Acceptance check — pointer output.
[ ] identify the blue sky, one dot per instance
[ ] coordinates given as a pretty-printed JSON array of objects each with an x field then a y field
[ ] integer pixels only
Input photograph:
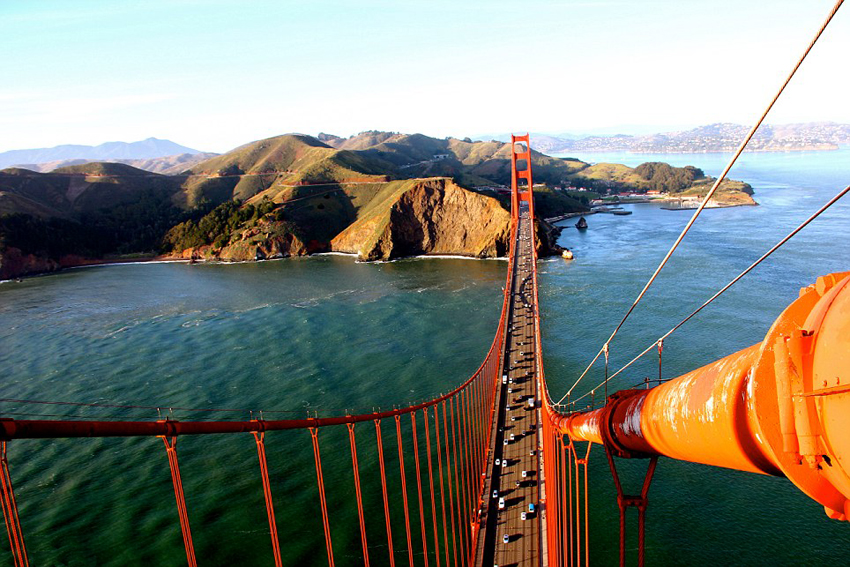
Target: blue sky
[{"x": 216, "y": 74}]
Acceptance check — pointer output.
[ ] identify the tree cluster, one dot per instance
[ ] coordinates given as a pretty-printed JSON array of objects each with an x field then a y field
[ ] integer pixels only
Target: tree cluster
[{"x": 215, "y": 227}]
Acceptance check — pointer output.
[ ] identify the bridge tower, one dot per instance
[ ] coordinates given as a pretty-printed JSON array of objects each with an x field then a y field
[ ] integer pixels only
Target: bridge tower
[{"x": 521, "y": 184}]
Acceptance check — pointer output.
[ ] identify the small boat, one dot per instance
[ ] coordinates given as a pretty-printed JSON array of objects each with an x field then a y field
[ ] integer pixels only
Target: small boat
[
  {"x": 622, "y": 212},
  {"x": 566, "y": 254},
  {"x": 581, "y": 224}
]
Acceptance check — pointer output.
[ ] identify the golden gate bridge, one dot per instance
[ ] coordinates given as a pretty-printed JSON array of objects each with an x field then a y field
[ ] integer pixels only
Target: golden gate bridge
[{"x": 495, "y": 473}]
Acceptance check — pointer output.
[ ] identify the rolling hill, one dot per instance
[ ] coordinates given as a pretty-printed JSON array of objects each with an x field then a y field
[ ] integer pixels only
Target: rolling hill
[{"x": 144, "y": 149}]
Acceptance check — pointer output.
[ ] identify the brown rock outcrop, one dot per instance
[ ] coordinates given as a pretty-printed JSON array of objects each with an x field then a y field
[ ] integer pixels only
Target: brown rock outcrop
[{"x": 429, "y": 216}]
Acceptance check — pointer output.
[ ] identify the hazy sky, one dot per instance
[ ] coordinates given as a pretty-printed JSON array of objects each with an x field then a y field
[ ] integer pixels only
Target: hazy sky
[{"x": 216, "y": 74}]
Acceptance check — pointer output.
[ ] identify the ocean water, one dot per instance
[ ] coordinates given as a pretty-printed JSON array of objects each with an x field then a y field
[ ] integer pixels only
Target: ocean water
[{"x": 328, "y": 335}]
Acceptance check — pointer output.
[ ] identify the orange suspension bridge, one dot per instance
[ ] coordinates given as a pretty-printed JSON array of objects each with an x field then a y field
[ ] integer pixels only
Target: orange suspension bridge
[{"x": 495, "y": 473}]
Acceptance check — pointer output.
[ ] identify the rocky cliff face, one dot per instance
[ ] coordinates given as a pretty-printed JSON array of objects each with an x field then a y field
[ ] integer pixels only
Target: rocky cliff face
[{"x": 433, "y": 216}]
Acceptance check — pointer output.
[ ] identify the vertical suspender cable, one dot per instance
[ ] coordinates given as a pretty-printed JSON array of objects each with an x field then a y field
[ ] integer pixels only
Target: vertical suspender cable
[
  {"x": 464, "y": 461},
  {"x": 565, "y": 534},
  {"x": 404, "y": 489},
  {"x": 384, "y": 492},
  {"x": 448, "y": 482},
  {"x": 171, "y": 450},
  {"x": 259, "y": 437},
  {"x": 314, "y": 434},
  {"x": 419, "y": 488},
  {"x": 431, "y": 486},
  {"x": 10, "y": 513},
  {"x": 356, "y": 471},
  {"x": 458, "y": 491}
]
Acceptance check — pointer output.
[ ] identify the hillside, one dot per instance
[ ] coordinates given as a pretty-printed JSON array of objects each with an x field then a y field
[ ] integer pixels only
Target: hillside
[{"x": 379, "y": 221}]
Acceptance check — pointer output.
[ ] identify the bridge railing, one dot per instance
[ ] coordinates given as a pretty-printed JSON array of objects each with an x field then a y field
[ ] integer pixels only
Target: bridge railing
[{"x": 440, "y": 447}]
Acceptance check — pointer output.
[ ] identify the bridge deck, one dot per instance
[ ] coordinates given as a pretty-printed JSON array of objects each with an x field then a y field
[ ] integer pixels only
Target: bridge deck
[{"x": 514, "y": 481}]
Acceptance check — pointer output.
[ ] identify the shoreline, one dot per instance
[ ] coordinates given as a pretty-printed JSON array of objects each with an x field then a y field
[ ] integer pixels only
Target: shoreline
[{"x": 172, "y": 260}]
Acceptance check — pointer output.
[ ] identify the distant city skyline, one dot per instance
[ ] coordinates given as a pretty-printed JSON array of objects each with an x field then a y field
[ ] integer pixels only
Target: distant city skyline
[{"x": 216, "y": 74}]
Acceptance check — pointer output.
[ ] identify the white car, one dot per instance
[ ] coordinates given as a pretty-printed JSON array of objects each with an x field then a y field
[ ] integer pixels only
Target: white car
[
  {"x": 512, "y": 436},
  {"x": 495, "y": 494},
  {"x": 498, "y": 462},
  {"x": 523, "y": 516},
  {"x": 505, "y": 538},
  {"x": 501, "y": 503}
]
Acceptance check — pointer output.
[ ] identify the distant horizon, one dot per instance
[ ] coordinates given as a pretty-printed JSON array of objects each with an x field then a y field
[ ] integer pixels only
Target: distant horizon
[{"x": 607, "y": 132}]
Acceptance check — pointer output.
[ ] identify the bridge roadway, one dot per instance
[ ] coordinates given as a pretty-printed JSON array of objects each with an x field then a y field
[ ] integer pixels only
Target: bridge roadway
[{"x": 513, "y": 467}]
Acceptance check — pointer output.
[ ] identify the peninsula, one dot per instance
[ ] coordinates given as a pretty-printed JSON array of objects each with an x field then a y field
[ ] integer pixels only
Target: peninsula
[{"x": 380, "y": 195}]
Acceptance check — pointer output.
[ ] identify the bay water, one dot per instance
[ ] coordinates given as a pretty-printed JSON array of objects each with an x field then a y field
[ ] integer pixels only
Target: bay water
[{"x": 327, "y": 335}]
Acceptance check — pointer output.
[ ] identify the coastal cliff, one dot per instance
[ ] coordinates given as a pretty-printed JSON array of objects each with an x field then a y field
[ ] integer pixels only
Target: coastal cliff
[
  {"x": 429, "y": 216},
  {"x": 432, "y": 216}
]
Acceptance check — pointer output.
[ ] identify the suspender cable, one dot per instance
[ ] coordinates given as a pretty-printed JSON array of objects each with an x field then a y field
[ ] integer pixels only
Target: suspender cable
[
  {"x": 10, "y": 513},
  {"x": 465, "y": 435},
  {"x": 419, "y": 488},
  {"x": 171, "y": 451},
  {"x": 448, "y": 483},
  {"x": 356, "y": 471},
  {"x": 314, "y": 434},
  {"x": 403, "y": 489},
  {"x": 259, "y": 437},
  {"x": 566, "y": 533},
  {"x": 458, "y": 504},
  {"x": 711, "y": 192},
  {"x": 658, "y": 342},
  {"x": 463, "y": 431},
  {"x": 384, "y": 492},
  {"x": 431, "y": 486}
]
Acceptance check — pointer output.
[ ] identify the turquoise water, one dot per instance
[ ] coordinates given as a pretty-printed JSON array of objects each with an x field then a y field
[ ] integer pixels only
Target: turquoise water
[{"x": 327, "y": 334}]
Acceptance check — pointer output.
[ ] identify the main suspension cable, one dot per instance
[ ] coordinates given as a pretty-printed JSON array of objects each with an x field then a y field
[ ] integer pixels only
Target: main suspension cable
[
  {"x": 764, "y": 256},
  {"x": 707, "y": 197}
]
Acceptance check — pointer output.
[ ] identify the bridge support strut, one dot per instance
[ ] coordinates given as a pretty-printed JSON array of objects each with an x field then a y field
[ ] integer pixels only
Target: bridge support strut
[{"x": 624, "y": 501}]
